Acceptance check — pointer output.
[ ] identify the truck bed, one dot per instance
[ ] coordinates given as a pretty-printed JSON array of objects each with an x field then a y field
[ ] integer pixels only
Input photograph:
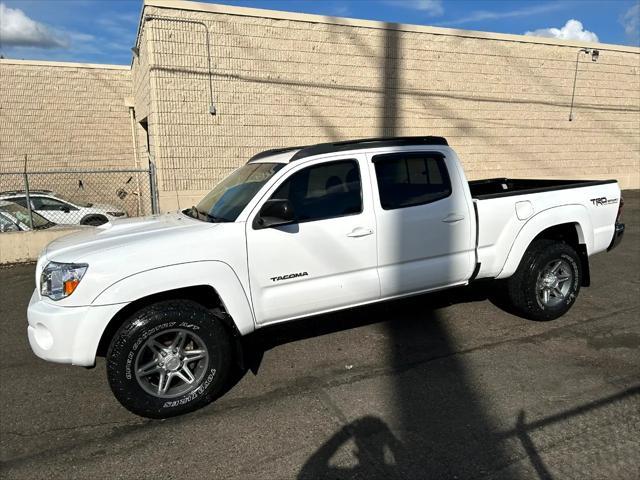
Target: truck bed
[
  {"x": 504, "y": 187},
  {"x": 505, "y": 207}
]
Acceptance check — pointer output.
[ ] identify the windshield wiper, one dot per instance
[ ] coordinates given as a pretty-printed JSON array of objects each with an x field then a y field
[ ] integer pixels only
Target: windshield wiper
[
  {"x": 195, "y": 213},
  {"x": 213, "y": 218},
  {"x": 192, "y": 212}
]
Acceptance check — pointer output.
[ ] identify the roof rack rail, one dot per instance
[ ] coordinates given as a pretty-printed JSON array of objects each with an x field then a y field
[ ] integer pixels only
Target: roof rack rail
[
  {"x": 273, "y": 151},
  {"x": 31, "y": 190},
  {"x": 309, "y": 150},
  {"x": 366, "y": 143}
]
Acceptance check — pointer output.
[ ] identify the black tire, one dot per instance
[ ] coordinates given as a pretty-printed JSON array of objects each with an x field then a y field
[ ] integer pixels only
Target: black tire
[
  {"x": 94, "y": 221},
  {"x": 131, "y": 342},
  {"x": 523, "y": 289}
]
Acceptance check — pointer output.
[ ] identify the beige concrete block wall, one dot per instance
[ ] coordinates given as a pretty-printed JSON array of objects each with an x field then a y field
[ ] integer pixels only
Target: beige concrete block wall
[
  {"x": 64, "y": 115},
  {"x": 286, "y": 79},
  {"x": 16, "y": 247}
]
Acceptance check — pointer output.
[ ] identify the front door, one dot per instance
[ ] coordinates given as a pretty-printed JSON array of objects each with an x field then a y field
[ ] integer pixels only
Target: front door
[
  {"x": 327, "y": 259},
  {"x": 55, "y": 211}
]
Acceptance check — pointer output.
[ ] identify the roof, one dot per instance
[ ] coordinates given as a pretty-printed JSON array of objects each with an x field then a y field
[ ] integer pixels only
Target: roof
[
  {"x": 47, "y": 63},
  {"x": 359, "y": 144},
  {"x": 31, "y": 191},
  {"x": 374, "y": 24}
]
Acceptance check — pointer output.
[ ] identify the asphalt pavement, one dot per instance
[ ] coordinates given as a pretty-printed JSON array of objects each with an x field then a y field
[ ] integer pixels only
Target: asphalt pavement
[{"x": 438, "y": 386}]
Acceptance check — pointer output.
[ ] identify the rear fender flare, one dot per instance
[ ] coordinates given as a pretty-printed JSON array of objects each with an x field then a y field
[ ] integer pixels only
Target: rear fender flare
[{"x": 575, "y": 214}]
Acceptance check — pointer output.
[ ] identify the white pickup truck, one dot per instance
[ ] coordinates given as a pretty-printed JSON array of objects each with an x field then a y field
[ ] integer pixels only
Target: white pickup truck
[{"x": 297, "y": 232}]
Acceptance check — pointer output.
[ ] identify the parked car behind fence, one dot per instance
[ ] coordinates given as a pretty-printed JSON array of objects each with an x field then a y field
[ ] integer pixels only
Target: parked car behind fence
[
  {"x": 15, "y": 218},
  {"x": 81, "y": 197},
  {"x": 59, "y": 210}
]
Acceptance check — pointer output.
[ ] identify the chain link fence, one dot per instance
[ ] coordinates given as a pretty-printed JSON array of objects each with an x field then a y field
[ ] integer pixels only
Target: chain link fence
[{"x": 43, "y": 199}]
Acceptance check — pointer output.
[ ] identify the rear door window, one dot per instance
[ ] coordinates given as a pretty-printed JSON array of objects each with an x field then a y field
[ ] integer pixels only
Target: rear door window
[
  {"x": 22, "y": 201},
  {"x": 410, "y": 179}
]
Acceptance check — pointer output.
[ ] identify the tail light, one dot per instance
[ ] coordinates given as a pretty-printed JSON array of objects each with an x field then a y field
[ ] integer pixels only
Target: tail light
[{"x": 620, "y": 205}]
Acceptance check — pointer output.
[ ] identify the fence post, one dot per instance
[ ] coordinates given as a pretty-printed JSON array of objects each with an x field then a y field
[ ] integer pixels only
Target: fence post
[
  {"x": 153, "y": 187},
  {"x": 26, "y": 192}
]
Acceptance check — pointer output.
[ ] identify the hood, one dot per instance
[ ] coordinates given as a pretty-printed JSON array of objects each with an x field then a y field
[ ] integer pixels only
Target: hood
[{"x": 118, "y": 233}]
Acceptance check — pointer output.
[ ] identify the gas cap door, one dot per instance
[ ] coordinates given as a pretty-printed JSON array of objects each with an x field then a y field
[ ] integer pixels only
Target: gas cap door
[{"x": 524, "y": 210}]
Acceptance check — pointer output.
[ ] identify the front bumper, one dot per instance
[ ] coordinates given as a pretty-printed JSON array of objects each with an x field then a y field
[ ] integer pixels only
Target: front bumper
[
  {"x": 67, "y": 334},
  {"x": 617, "y": 236}
]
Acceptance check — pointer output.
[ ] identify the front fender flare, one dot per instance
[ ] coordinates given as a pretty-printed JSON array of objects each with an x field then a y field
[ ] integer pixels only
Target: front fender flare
[{"x": 216, "y": 274}]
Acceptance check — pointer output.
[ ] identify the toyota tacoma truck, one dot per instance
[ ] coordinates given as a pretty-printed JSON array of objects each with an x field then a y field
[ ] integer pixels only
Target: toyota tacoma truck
[{"x": 297, "y": 232}]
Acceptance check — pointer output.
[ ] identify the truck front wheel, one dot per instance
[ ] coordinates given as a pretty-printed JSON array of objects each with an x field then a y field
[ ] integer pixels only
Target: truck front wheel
[
  {"x": 547, "y": 281},
  {"x": 169, "y": 358}
]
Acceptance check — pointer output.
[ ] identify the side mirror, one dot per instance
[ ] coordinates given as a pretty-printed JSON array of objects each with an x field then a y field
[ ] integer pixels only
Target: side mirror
[
  {"x": 274, "y": 213},
  {"x": 65, "y": 209}
]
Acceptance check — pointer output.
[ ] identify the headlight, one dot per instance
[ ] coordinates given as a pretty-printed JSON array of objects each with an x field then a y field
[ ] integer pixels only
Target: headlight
[
  {"x": 116, "y": 214},
  {"x": 59, "y": 280}
]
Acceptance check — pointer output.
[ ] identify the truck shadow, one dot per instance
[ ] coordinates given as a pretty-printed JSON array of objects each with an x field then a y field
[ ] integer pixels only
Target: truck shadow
[
  {"x": 401, "y": 315},
  {"x": 438, "y": 427}
]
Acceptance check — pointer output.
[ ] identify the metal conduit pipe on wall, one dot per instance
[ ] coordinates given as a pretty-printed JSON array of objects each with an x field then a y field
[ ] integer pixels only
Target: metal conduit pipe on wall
[{"x": 146, "y": 18}]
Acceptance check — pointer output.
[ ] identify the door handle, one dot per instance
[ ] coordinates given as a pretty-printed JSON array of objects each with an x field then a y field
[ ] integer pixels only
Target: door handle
[
  {"x": 453, "y": 218},
  {"x": 360, "y": 232}
]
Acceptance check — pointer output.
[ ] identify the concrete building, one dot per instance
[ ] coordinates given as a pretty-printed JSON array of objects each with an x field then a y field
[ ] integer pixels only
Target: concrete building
[
  {"x": 64, "y": 115},
  {"x": 275, "y": 79}
]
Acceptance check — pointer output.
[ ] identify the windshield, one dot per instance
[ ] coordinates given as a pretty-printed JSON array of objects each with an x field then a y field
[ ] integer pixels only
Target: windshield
[
  {"x": 21, "y": 214},
  {"x": 228, "y": 198}
]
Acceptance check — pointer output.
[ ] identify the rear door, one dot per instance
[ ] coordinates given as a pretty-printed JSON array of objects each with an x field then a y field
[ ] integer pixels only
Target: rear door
[
  {"x": 327, "y": 259},
  {"x": 425, "y": 235}
]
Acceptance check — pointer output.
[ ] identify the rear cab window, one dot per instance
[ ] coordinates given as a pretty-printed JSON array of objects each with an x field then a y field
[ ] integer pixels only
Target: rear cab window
[{"x": 408, "y": 179}]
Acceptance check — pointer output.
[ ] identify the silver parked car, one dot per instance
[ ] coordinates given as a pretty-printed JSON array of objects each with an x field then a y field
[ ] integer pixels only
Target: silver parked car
[{"x": 59, "y": 210}]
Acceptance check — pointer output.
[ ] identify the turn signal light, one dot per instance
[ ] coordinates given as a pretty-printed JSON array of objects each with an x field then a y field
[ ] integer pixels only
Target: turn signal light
[{"x": 70, "y": 286}]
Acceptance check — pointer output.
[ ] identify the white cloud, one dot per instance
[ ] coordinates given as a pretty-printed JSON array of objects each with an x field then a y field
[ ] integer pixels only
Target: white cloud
[
  {"x": 573, "y": 30},
  {"x": 631, "y": 23},
  {"x": 18, "y": 30},
  {"x": 433, "y": 8},
  {"x": 339, "y": 9},
  {"x": 482, "y": 15}
]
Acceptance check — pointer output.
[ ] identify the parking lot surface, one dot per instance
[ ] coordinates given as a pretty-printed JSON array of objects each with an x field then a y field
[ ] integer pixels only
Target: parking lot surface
[{"x": 437, "y": 386}]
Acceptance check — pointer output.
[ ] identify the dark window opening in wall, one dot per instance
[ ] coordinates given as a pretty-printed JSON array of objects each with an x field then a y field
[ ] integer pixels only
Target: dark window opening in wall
[{"x": 145, "y": 126}]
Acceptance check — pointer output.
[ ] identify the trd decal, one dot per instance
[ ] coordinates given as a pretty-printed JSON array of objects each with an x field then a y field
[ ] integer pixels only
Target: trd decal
[
  {"x": 598, "y": 202},
  {"x": 289, "y": 276}
]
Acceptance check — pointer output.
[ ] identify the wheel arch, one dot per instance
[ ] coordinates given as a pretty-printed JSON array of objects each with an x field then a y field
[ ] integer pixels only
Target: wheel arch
[
  {"x": 191, "y": 281},
  {"x": 88, "y": 216},
  {"x": 569, "y": 224},
  {"x": 204, "y": 295}
]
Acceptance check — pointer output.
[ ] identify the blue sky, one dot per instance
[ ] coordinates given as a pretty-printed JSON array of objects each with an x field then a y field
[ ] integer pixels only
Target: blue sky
[{"x": 102, "y": 31}]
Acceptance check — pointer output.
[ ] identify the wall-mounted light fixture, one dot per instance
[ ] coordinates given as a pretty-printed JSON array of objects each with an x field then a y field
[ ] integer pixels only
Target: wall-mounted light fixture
[
  {"x": 595, "y": 54},
  {"x": 136, "y": 51}
]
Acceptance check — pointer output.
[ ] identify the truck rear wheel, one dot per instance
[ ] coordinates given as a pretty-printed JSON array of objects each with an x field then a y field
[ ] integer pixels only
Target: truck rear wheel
[
  {"x": 547, "y": 281},
  {"x": 168, "y": 359}
]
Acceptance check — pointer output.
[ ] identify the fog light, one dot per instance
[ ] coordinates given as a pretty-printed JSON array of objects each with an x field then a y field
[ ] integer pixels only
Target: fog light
[{"x": 43, "y": 336}]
